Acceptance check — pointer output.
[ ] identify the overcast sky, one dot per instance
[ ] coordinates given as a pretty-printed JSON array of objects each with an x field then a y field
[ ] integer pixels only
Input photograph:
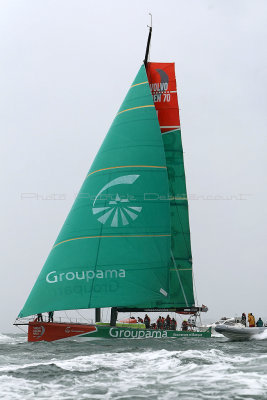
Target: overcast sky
[{"x": 65, "y": 67}]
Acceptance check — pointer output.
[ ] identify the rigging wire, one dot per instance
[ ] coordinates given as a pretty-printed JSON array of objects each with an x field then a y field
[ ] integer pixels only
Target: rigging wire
[
  {"x": 88, "y": 320},
  {"x": 24, "y": 331},
  {"x": 179, "y": 279},
  {"x": 68, "y": 318},
  {"x": 195, "y": 290}
]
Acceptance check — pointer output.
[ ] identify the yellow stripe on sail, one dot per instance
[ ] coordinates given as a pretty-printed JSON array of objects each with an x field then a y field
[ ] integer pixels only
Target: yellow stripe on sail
[
  {"x": 128, "y": 166},
  {"x": 134, "y": 108},
  {"x": 137, "y": 84},
  {"x": 108, "y": 236}
]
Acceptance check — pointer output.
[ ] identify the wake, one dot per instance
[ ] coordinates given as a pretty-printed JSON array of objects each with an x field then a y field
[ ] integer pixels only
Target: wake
[
  {"x": 260, "y": 336},
  {"x": 4, "y": 338}
]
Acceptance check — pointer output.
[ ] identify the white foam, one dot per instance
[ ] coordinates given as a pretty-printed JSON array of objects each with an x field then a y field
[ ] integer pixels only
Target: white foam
[
  {"x": 261, "y": 336},
  {"x": 12, "y": 339},
  {"x": 5, "y": 338},
  {"x": 154, "y": 374}
]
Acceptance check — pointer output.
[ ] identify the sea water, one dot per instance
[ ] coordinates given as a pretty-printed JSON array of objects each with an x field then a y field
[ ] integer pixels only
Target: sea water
[{"x": 183, "y": 368}]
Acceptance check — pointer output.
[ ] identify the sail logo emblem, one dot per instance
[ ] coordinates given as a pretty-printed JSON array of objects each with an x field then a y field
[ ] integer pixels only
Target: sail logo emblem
[{"x": 118, "y": 211}]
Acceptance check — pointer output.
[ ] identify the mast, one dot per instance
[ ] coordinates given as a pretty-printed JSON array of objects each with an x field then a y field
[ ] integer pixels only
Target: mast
[
  {"x": 148, "y": 42},
  {"x": 113, "y": 316},
  {"x": 98, "y": 315}
]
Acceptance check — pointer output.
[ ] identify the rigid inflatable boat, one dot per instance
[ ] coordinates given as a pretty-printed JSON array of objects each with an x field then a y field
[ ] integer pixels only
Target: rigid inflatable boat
[{"x": 239, "y": 333}]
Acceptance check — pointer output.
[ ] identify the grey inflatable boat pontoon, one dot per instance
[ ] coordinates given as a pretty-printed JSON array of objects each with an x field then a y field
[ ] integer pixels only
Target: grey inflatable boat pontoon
[{"x": 238, "y": 333}]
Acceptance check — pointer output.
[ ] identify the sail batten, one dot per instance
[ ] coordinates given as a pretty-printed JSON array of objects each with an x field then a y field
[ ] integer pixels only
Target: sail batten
[
  {"x": 110, "y": 236},
  {"x": 135, "y": 108},
  {"x": 128, "y": 166},
  {"x": 141, "y": 83}
]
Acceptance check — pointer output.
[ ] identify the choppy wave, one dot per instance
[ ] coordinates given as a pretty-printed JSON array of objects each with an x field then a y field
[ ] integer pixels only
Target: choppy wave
[
  {"x": 4, "y": 338},
  {"x": 124, "y": 369},
  {"x": 9, "y": 339},
  {"x": 260, "y": 336}
]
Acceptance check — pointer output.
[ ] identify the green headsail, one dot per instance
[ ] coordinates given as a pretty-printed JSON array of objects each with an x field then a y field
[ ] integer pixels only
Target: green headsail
[
  {"x": 164, "y": 92},
  {"x": 114, "y": 248},
  {"x": 181, "y": 293},
  {"x": 180, "y": 289}
]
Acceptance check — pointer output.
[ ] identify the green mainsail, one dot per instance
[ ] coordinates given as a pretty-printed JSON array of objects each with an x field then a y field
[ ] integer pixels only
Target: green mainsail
[
  {"x": 113, "y": 249},
  {"x": 126, "y": 240}
]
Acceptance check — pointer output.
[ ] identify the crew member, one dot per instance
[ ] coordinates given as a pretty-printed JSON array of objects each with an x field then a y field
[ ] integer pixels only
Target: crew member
[
  {"x": 140, "y": 320},
  {"x": 51, "y": 316},
  {"x": 147, "y": 321},
  {"x": 173, "y": 324},
  {"x": 168, "y": 322},
  {"x": 39, "y": 317},
  {"x": 259, "y": 323},
  {"x": 159, "y": 322},
  {"x": 184, "y": 325},
  {"x": 251, "y": 320},
  {"x": 244, "y": 319}
]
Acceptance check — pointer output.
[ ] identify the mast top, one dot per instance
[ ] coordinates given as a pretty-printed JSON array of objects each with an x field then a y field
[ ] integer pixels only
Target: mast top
[
  {"x": 148, "y": 40},
  {"x": 150, "y": 21}
]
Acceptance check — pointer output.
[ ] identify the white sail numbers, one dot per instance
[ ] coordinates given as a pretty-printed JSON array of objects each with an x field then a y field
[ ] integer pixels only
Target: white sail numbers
[{"x": 160, "y": 92}]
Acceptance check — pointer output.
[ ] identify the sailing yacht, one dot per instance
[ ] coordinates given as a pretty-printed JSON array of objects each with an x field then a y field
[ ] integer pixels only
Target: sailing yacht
[{"x": 125, "y": 244}]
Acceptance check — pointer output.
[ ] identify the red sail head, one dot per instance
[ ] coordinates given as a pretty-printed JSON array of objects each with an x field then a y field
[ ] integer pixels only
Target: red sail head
[{"x": 161, "y": 78}]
